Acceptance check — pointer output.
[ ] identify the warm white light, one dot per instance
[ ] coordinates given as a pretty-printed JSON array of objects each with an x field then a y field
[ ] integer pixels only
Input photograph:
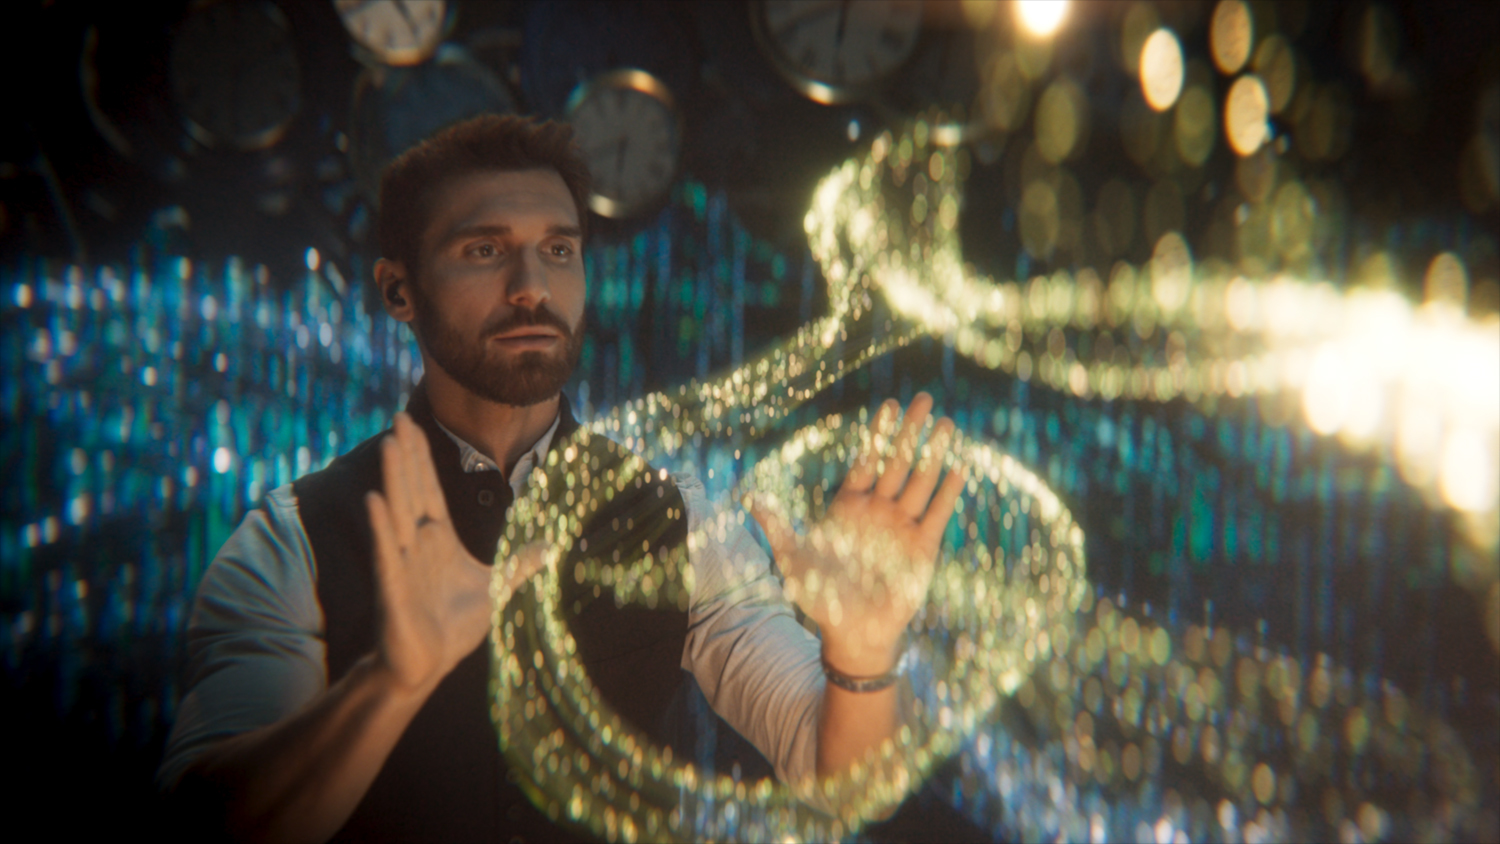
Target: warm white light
[
  {"x": 1467, "y": 478},
  {"x": 1245, "y": 112},
  {"x": 1326, "y": 395},
  {"x": 1162, "y": 69},
  {"x": 1042, "y": 17}
]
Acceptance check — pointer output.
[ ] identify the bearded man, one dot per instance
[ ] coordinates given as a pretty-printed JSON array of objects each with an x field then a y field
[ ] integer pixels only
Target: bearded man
[{"x": 337, "y": 669}]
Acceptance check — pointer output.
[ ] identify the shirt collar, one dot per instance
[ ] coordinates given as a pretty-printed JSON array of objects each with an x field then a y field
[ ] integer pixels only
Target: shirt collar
[{"x": 472, "y": 460}]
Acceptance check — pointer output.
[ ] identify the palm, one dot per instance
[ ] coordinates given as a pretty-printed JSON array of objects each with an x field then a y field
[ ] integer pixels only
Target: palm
[
  {"x": 862, "y": 572},
  {"x": 434, "y": 595}
]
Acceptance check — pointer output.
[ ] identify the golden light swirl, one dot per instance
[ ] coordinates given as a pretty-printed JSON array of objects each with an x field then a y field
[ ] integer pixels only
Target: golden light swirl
[{"x": 1107, "y": 692}]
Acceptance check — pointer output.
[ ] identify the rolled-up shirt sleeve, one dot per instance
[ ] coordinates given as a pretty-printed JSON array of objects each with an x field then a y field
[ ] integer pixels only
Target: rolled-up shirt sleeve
[
  {"x": 757, "y": 666},
  {"x": 255, "y": 643}
]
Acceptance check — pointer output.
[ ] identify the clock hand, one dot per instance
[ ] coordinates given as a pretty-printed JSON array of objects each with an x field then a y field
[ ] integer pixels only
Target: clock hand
[
  {"x": 411, "y": 25},
  {"x": 838, "y": 35},
  {"x": 620, "y": 161}
]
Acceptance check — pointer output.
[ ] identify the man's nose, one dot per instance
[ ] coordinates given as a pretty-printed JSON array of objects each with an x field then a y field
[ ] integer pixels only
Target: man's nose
[{"x": 527, "y": 286}]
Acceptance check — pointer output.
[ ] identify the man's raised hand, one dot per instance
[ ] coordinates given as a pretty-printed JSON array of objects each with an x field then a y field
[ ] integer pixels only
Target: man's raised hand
[
  {"x": 434, "y": 596},
  {"x": 863, "y": 571}
]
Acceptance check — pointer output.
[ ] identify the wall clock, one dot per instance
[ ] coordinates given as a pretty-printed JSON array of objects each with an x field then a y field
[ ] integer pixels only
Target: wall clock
[
  {"x": 395, "y": 32},
  {"x": 395, "y": 107},
  {"x": 836, "y": 51},
  {"x": 235, "y": 75},
  {"x": 942, "y": 77},
  {"x": 631, "y": 134}
]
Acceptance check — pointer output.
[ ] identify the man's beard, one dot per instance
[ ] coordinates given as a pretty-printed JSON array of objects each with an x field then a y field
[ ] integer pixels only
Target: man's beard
[{"x": 519, "y": 380}]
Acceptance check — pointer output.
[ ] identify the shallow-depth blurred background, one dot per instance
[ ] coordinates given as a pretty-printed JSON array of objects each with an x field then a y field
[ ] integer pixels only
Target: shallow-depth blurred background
[{"x": 186, "y": 235}]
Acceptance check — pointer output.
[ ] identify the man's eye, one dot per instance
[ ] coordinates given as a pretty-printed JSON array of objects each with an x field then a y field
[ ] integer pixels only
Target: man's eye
[
  {"x": 561, "y": 250},
  {"x": 483, "y": 250}
]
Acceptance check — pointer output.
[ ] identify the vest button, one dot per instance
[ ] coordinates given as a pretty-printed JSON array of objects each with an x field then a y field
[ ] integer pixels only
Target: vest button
[{"x": 486, "y": 498}]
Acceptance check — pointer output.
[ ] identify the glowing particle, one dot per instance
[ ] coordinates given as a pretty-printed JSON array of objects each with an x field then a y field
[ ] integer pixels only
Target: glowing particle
[
  {"x": 1326, "y": 397},
  {"x": 1193, "y": 125},
  {"x": 1245, "y": 111},
  {"x": 1466, "y": 477},
  {"x": 1041, "y": 17},
  {"x": 313, "y": 259},
  {"x": 1277, "y": 67},
  {"x": 1230, "y": 35},
  {"x": 1263, "y": 781},
  {"x": 1060, "y": 115},
  {"x": 222, "y": 459},
  {"x": 1162, "y": 69},
  {"x": 1171, "y": 272}
]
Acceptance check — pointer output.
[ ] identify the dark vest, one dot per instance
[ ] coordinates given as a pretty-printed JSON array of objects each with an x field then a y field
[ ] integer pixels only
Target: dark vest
[{"x": 446, "y": 779}]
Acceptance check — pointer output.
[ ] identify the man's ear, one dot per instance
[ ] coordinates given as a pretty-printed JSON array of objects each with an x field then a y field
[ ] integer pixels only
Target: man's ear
[{"x": 395, "y": 289}]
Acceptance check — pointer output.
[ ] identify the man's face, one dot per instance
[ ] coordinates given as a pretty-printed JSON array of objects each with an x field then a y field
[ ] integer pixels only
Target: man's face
[{"x": 499, "y": 297}]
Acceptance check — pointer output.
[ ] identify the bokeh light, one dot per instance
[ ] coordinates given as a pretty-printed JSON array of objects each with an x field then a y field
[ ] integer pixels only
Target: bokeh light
[
  {"x": 1041, "y": 17},
  {"x": 1161, "y": 69},
  {"x": 1194, "y": 126},
  {"x": 1231, "y": 34},
  {"x": 1245, "y": 112}
]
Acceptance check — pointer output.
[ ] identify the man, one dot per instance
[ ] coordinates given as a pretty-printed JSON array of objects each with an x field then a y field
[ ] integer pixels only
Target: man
[{"x": 337, "y": 680}]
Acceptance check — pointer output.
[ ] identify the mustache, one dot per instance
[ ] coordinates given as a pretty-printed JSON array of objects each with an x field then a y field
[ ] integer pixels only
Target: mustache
[{"x": 527, "y": 319}]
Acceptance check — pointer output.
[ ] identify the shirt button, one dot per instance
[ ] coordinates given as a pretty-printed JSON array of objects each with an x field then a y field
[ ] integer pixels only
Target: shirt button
[{"x": 486, "y": 498}]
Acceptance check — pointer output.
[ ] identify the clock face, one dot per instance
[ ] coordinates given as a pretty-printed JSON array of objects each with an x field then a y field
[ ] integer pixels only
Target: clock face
[
  {"x": 627, "y": 126},
  {"x": 837, "y": 50},
  {"x": 235, "y": 75},
  {"x": 397, "y": 32}
]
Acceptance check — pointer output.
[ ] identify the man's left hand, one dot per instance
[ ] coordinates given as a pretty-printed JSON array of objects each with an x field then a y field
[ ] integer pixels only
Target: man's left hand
[{"x": 862, "y": 572}]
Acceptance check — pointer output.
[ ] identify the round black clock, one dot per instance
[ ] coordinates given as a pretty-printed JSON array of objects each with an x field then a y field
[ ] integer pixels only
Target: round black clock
[{"x": 235, "y": 75}]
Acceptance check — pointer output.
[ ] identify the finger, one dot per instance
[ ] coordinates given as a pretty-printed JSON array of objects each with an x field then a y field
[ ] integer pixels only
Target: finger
[
  {"x": 862, "y": 476},
  {"x": 397, "y": 497},
  {"x": 898, "y": 464},
  {"x": 780, "y": 535},
  {"x": 525, "y": 564},
  {"x": 423, "y": 474},
  {"x": 924, "y": 476},
  {"x": 935, "y": 520},
  {"x": 387, "y": 550}
]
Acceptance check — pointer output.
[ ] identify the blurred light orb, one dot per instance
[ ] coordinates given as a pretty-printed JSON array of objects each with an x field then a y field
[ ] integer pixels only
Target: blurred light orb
[
  {"x": 1041, "y": 17},
  {"x": 1059, "y": 120},
  {"x": 1467, "y": 475},
  {"x": 1326, "y": 395},
  {"x": 1230, "y": 35},
  {"x": 1446, "y": 281},
  {"x": 1161, "y": 69},
  {"x": 1195, "y": 126},
  {"x": 1171, "y": 272},
  {"x": 1245, "y": 112},
  {"x": 1276, "y": 65}
]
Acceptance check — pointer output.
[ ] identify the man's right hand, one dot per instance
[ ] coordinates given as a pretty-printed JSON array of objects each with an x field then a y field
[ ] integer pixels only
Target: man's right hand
[
  {"x": 434, "y": 596},
  {"x": 300, "y": 778}
]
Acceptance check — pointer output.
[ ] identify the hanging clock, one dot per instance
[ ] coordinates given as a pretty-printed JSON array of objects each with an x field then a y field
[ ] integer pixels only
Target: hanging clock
[
  {"x": 396, "y": 32},
  {"x": 631, "y": 135},
  {"x": 235, "y": 76},
  {"x": 836, "y": 52},
  {"x": 395, "y": 107},
  {"x": 941, "y": 82}
]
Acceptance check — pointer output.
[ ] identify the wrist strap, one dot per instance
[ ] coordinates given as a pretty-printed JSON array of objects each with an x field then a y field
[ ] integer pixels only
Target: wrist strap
[{"x": 864, "y": 684}]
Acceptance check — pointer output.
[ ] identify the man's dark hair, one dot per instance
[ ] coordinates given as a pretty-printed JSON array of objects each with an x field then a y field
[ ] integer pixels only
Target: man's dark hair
[{"x": 488, "y": 143}]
